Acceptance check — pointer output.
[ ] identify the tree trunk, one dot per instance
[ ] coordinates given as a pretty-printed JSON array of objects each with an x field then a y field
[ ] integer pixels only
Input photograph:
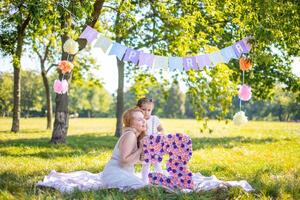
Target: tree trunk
[
  {"x": 120, "y": 98},
  {"x": 48, "y": 99},
  {"x": 16, "y": 99},
  {"x": 17, "y": 78},
  {"x": 61, "y": 122}
]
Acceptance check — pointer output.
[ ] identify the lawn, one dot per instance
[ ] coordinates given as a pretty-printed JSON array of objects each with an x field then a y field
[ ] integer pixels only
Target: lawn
[{"x": 267, "y": 154}]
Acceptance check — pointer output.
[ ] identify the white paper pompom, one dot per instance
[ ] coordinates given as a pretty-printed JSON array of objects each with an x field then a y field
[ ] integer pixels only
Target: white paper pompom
[
  {"x": 240, "y": 118},
  {"x": 71, "y": 47}
]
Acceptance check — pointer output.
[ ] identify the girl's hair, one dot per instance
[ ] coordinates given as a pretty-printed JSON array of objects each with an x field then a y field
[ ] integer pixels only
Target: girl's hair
[
  {"x": 144, "y": 100},
  {"x": 127, "y": 119}
]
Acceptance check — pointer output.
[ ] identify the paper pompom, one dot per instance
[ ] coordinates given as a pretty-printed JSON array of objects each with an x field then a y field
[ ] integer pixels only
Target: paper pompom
[
  {"x": 65, "y": 66},
  {"x": 71, "y": 46},
  {"x": 60, "y": 87},
  {"x": 240, "y": 118},
  {"x": 245, "y": 64},
  {"x": 245, "y": 93}
]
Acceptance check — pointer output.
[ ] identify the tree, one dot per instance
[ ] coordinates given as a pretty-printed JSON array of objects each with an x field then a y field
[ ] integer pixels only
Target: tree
[
  {"x": 13, "y": 33},
  {"x": 91, "y": 12}
]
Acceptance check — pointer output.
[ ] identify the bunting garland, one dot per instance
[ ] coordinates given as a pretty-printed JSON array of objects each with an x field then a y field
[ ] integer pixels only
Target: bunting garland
[{"x": 140, "y": 58}]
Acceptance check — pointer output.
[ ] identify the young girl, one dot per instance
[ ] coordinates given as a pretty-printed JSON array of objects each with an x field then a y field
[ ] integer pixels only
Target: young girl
[{"x": 153, "y": 127}]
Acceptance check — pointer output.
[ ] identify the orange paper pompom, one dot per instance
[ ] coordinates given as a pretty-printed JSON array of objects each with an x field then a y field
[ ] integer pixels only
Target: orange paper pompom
[
  {"x": 65, "y": 66},
  {"x": 245, "y": 64}
]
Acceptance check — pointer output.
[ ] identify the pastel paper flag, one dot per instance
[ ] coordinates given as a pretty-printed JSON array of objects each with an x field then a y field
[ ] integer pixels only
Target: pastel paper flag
[
  {"x": 240, "y": 48},
  {"x": 146, "y": 59},
  {"x": 203, "y": 60},
  {"x": 175, "y": 63},
  {"x": 228, "y": 54},
  {"x": 89, "y": 34},
  {"x": 118, "y": 50},
  {"x": 132, "y": 55},
  {"x": 247, "y": 44},
  {"x": 161, "y": 62},
  {"x": 216, "y": 57},
  {"x": 103, "y": 42},
  {"x": 190, "y": 63}
]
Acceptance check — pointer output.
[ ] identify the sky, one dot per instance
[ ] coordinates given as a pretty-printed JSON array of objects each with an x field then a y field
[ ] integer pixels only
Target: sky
[{"x": 108, "y": 70}]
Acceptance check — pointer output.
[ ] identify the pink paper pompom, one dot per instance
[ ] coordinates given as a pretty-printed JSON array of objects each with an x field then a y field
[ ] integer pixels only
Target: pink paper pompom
[
  {"x": 60, "y": 87},
  {"x": 245, "y": 93}
]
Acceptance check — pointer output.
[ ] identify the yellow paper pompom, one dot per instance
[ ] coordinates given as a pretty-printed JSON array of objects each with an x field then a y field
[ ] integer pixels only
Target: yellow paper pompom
[
  {"x": 71, "y": 46},
  {"x": 240, "y": 118}
]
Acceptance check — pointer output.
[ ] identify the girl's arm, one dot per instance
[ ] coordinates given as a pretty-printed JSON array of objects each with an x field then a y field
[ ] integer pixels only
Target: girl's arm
[
  {"x": 128, "y": 152},
  {"x": 160, "y": 129}
]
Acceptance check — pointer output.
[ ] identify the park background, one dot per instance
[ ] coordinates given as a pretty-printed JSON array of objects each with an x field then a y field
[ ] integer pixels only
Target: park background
[{"x": 265, "y": 151}]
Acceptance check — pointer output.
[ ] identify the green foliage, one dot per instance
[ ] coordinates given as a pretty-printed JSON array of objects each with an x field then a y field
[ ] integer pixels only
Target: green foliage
[
  {"x": 6, "y": 85},
  {"x": 32, "y": 95}
]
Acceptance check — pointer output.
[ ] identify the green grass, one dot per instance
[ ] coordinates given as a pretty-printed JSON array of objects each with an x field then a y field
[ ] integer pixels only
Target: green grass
[{"x": 267, "y": 154}]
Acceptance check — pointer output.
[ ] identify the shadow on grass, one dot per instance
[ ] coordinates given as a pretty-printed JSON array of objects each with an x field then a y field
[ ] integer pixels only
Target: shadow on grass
[
  {"x": 228, "y": 142},
  {"x": 79, "y": 144}
]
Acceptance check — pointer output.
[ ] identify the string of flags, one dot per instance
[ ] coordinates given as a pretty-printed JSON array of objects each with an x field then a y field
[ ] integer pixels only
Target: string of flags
[
  {"x": 140, "y": 58},
  {"x": 171, "y": 63}
]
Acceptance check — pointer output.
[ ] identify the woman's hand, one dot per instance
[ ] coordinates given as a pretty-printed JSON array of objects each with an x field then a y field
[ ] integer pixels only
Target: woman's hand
[{"x": 142, "y": 156}]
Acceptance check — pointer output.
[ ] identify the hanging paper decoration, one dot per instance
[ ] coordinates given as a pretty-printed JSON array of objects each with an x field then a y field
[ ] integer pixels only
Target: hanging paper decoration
[
  {"x": 103, "y": 42},
  {"x": 65, "y": 66},
  {"x": 189, "y": 63},
  {"x": 240, "y": 118},
  {"x": 203, "y": 60},
  {"x": 240, "y": 48},
  {"x": 245, "y": 92},
  {"x": 161, "y": 62},
  {"x": 245, "y": 64},
  {"x": 60, "y": 87},
  {"x": 71, "y": 47},
  {"x": 132, "y": 56},
  {"x": 89, "y": 34},
  {"x": 228, "y": 54},
  {"x": 146, "y": 59},
  {"x": 196, "y": 62},
  {"x": 216, "y": 58},
  {"x": 175, "y": 63},
  {"x": 118, "y": 50}
]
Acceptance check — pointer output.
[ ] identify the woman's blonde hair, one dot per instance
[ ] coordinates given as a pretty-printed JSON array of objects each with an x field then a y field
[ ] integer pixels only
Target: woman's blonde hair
[{"x": 127, "y": 119}]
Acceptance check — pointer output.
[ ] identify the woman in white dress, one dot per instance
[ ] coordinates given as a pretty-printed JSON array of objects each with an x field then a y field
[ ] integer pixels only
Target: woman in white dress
[{"x": 119, "y": 171}]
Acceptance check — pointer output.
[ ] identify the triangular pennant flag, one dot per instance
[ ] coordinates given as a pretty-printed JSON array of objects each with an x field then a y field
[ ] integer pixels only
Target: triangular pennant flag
[
  {"x": 103, "y": 42},
  {"x": 146, "y": 59},
  {"x": 190, "y": 63},
  {"x": 240, "y": 48},
  {"x": 118, "y": 50},
  {"x": 247, "y": 44},
  {"x": 89, "y": 34},
  {"x": 228, "y": 54},
  {"x": 161, "y": 62},
  {"x": 216, "y": 57},
  {"x": 203, "y": 60},
  {"x": 132, "y": 55},
  {"x": 175, "y": 63}
]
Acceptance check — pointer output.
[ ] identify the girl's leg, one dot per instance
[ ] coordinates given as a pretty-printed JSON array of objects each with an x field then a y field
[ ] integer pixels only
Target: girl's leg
[{"x": 145, "y": 172}]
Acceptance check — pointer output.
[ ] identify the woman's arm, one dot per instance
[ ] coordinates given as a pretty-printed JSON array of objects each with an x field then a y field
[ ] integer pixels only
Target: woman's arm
[{"x": 128, "y": 152}]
